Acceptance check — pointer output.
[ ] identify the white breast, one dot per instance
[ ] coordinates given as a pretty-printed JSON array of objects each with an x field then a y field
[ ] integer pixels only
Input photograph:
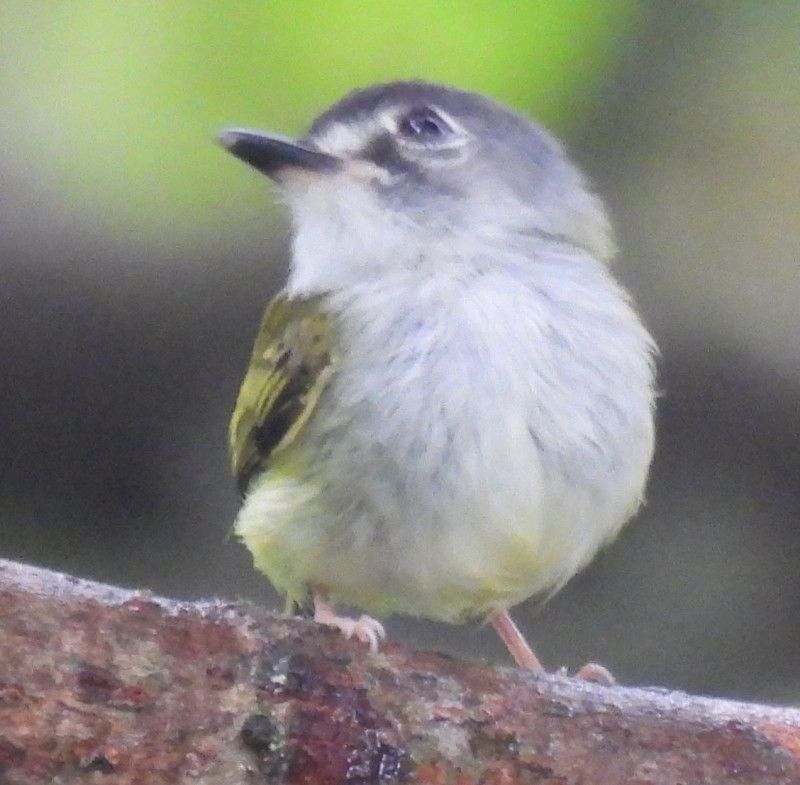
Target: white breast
[{"x": 490, "y": 428}]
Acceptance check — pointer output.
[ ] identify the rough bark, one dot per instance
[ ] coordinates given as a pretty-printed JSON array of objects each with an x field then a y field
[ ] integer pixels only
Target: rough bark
[{"x": 101, "y": 685}]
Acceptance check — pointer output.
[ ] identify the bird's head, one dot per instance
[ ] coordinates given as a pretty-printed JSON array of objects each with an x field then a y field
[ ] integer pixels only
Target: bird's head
[{"x": 394, "y": 173}]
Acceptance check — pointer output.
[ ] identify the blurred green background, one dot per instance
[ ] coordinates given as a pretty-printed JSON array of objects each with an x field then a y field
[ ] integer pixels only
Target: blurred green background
[{"x": 136, "y": 258}]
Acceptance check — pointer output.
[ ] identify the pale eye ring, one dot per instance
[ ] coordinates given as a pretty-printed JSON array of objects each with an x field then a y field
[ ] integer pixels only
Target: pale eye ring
[{"x": 423, "y": 124}]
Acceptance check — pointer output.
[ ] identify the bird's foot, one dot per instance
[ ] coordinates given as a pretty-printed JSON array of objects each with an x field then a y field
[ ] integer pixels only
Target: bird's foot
[
  {"x": 592, "y": 671},
  {"x": 364, "y": 628},
  {"x": 524, "y": 657},
  {"x": 596, "y": 673}
]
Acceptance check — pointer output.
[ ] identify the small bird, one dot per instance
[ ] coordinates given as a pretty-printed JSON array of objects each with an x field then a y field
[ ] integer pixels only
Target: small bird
[{"x": 449, "y": 407}]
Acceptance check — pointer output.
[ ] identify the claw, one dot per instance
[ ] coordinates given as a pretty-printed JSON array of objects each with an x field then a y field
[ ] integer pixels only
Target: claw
[
  {"x": 364, "y": 628},
  {"x": 596, "y": 673},
  {"x": 367, "y": 630}
]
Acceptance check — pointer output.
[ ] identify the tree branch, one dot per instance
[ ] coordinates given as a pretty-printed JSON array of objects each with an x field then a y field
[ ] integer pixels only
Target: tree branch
[{"x": 98, "y": 684}]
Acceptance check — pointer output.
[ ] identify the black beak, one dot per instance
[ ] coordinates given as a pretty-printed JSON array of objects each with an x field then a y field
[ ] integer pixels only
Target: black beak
[{"x": 270, "y": 154}]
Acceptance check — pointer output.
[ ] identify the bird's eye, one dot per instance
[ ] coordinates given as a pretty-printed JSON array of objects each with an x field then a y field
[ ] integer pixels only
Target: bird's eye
[{"x": 424, "y": 125}]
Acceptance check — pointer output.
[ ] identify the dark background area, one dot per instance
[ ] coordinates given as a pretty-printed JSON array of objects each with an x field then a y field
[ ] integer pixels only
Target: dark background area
[{"x": 136, "y": 259}]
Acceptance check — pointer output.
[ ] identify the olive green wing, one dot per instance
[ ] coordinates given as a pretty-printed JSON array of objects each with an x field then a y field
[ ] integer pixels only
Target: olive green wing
[{"x": 291, "y": 365}]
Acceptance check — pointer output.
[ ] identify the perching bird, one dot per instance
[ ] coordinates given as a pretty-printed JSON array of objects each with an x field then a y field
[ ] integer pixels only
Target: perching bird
[{"x": 449, "y": 408}]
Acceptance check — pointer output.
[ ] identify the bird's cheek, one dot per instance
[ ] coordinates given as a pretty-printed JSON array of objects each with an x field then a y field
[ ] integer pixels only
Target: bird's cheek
[{"x": 369, "y": 174}]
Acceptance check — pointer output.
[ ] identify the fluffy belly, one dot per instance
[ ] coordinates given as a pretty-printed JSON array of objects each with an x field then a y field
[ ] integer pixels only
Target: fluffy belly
[
  {"x": 454, "y": 467},
  {"x": 457, "y": 569},
  {"x": 449, "y": 546}
]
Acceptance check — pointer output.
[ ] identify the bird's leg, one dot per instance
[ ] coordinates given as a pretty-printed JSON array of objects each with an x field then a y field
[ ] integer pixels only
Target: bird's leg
[
  {"x": 524, "y": 657},
  {"x": 289, "y": 606},
  {"x": 515, "y": 641},
  {"x": 364, "y": 628}
]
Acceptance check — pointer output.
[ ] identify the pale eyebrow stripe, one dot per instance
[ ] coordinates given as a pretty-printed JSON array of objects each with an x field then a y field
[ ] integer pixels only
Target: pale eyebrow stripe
[{"x": 341, "y": 138}]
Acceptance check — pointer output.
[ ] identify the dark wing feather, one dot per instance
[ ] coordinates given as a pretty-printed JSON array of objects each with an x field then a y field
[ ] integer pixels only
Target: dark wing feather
[{"x": 291, "y": 364}]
